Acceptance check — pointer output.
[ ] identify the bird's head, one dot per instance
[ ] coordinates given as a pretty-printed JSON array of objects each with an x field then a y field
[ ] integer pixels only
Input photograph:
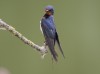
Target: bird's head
[{"x": 49, "y": 10}]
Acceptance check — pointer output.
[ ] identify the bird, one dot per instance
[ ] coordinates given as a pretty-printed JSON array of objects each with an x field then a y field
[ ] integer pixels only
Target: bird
[{"x": 48, "y": 29}]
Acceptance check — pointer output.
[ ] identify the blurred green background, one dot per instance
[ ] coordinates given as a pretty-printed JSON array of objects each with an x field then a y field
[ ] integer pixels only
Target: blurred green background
[{"x": 78, "y": 25}]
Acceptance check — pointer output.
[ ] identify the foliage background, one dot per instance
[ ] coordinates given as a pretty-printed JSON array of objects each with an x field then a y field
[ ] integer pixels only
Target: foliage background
[{"x": 78, "y": 25}]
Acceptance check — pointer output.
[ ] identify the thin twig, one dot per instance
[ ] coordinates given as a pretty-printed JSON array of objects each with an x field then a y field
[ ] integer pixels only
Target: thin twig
[{"x": 5, "y": 26}]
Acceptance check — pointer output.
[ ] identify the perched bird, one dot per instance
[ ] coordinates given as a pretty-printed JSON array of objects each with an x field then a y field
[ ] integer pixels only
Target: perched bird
[{"x": 48, "y": 29}]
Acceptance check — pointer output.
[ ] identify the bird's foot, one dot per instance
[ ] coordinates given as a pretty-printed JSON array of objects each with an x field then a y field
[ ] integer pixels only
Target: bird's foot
[
  {"x": 43, "y": 51},
  {"x": 45, "y": 44}
]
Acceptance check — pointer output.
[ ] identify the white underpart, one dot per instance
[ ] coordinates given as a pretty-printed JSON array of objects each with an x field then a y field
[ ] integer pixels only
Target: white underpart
[{"x": 41, "y": 28}]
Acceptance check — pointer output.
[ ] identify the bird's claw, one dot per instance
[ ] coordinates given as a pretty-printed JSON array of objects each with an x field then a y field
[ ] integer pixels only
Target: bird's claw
[{"x": 43, "y": 51}]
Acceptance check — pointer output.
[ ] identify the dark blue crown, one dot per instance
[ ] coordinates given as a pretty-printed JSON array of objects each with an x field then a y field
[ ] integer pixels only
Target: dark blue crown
[{"x": 49, "y": 8}]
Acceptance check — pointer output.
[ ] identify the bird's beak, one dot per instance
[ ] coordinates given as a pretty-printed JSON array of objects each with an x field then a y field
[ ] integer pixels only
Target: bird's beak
[{"x": 46, "y": 10}]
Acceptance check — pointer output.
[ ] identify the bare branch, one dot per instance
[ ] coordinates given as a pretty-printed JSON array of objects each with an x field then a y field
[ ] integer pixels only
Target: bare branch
[{"x": 5, "y": 26}]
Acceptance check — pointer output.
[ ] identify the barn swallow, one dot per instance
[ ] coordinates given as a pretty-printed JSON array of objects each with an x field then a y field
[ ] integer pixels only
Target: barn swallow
[{"x": 49, "y": 31}]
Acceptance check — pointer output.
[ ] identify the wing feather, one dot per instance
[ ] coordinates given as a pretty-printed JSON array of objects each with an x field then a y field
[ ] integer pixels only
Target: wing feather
[{"x": 49, "y": 37}]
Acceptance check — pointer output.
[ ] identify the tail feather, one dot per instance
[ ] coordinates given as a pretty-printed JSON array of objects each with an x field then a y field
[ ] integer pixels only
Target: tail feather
[
  {"x": 57, "y": 39},
  {"x": 50, "y": 43}
]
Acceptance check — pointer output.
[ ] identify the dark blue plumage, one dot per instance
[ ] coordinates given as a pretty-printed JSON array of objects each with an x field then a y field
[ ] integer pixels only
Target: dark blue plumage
[{"x": 49, "y": 30}]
